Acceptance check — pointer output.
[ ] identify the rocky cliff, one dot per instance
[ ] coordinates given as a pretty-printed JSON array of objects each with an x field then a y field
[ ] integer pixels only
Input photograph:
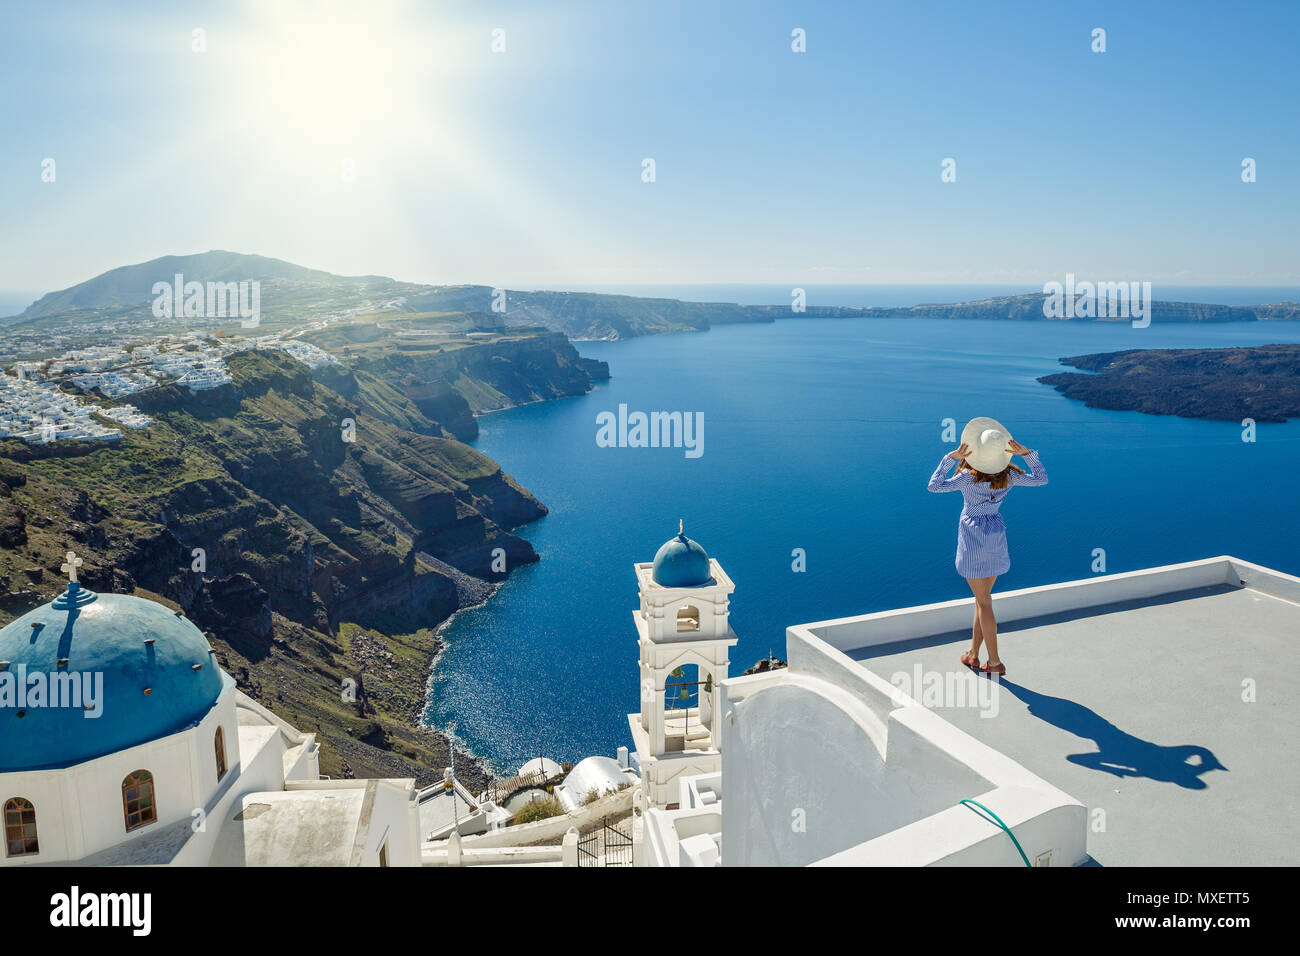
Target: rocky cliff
[
  {"x": 439, "y": 388},
  {"x": 318, "y": 528}
]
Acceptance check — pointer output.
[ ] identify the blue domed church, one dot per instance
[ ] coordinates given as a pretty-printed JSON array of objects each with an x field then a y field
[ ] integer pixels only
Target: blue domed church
[{"x": 122, "y": 741}]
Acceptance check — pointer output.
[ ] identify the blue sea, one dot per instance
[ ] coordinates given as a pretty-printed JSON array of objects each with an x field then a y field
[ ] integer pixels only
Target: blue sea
[{"x": 820, "y": 435}]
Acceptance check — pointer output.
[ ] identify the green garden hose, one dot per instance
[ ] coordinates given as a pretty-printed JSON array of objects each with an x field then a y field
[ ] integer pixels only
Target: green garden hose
[{"x": 998, "y": 821}]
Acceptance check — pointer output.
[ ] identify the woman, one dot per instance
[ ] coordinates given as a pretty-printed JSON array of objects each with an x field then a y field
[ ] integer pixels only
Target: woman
[{"x": 984, "y": 476}]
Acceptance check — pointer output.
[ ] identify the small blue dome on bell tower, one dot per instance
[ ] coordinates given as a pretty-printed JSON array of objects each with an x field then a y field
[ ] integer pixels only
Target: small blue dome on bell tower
[{"x": 681, "y": 563}]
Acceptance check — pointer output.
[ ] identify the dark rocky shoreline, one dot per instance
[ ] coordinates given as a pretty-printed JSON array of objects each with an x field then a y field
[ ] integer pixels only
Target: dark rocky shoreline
[{"x": 1260, "y": 383}]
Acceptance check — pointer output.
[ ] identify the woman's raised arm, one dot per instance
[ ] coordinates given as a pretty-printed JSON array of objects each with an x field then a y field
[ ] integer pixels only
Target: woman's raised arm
[
  {"x": 1037, "y": 473},
  {"x": 938, "y": 483}
]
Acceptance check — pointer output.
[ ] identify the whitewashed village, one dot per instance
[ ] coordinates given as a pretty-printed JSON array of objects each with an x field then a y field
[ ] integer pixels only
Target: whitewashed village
[{"x": 35, "y": 408}]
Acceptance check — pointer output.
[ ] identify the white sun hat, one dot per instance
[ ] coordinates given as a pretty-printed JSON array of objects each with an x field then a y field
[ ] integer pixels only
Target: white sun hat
[{"x": 987, "y": 440}]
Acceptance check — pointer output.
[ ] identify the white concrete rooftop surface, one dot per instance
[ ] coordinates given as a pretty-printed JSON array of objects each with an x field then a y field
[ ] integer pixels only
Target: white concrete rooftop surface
[
  {"x": 296, "y": 827},
  {"x": 1131, "y": 693}
]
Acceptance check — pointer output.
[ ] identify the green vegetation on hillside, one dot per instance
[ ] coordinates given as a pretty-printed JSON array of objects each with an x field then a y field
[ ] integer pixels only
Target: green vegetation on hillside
[{"x": 317, "y": 526}]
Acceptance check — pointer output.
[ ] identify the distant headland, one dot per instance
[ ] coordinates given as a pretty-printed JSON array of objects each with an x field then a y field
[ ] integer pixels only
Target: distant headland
[
  {"x": 1261, "y": 383},
  {"x": 121, "y": 299}
]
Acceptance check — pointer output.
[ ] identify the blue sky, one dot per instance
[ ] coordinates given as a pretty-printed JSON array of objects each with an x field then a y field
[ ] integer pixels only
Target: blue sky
[{"x": 523, "y": 168}]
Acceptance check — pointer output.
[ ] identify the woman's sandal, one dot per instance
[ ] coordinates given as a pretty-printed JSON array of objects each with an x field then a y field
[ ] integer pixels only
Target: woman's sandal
[
  {"x": 972, "y": 661},
  {"x": 999, "y": 669}
]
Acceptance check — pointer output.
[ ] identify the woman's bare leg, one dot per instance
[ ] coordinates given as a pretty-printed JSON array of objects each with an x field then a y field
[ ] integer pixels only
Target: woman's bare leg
[
  {"x": 982, "y": 588},
  {"x": 976, "y": 635}
]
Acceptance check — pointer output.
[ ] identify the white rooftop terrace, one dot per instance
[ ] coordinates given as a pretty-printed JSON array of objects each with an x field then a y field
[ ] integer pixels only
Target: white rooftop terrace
[{"x": 1131, "y": 693}]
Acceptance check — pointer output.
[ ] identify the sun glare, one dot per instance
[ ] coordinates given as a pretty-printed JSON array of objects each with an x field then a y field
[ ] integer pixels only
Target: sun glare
[
  {"x": 372, "y": 108},
  {"x": 324, "y": 85}
]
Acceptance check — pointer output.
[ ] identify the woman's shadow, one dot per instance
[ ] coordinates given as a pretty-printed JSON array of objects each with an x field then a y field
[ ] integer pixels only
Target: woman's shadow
[{"x": 1119, "y": 753}]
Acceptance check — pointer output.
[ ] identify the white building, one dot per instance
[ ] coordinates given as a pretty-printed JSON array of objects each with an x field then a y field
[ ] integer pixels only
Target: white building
[
  {"x": 310, "y": 355},
  {"x": 40, "y": 413},
  {"x": 123, "y": 742},
  {"x": 590, "y": 779},
  {"x": 683, "y": 636},
  {"x": 1118, "y": 733}
]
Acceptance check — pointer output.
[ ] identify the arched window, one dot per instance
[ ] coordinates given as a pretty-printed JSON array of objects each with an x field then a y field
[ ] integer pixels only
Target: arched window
[
  {"x": 20, "y": 827},
  {"x": 220, "y": 744},
  {"x": 137, "y": 799},
  {"x": 688, "y": 618}
]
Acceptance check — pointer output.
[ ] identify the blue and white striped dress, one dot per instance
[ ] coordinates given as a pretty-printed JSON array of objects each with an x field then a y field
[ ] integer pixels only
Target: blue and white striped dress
[{"x": 981, "y": 532}]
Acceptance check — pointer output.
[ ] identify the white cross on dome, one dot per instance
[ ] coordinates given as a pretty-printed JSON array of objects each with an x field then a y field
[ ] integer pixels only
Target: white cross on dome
[{"x": 70, "y": 564}]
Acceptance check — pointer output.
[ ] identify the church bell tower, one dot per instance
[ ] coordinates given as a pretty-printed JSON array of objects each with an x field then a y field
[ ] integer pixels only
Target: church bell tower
[{"x": 683, "y": 637}]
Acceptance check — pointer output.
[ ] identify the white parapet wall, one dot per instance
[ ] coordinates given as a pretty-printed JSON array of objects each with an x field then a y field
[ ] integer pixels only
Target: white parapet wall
[
  {"x": 497, "y": 856},
  {"x": 819, "y": 761},
  {"x": 883, "y": 627},
  {"x": 552, "y": 828}
]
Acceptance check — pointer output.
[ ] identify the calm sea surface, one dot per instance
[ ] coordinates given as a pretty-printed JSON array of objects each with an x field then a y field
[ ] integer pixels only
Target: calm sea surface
[{"x": 820, "y": 435}]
